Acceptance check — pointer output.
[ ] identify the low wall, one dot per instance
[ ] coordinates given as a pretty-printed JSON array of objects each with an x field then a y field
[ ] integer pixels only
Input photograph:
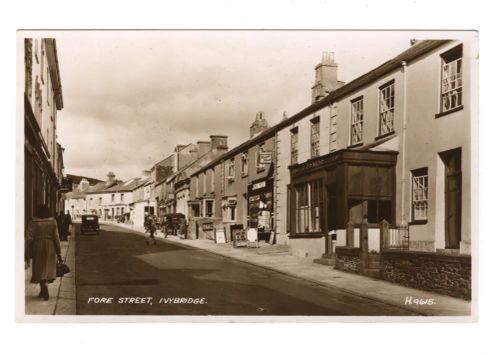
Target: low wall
[
  {"x": 446, "y": 274},
  {"x": 348, "y": 259}
]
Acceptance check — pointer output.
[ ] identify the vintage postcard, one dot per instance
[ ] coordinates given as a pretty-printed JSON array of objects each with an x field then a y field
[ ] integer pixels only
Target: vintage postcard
[{"x": 247, "y": 176}]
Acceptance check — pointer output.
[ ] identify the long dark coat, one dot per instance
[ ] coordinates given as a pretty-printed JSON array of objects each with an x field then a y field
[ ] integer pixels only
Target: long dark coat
[{"x": 42, "y": 243}]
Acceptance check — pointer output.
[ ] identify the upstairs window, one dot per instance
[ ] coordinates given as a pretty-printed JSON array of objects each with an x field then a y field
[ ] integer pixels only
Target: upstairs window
[
  {"x": 315, "y": 137},
  {"x": 420, "y": 183},
  {"x": 212, "y": 181},
  {"x": 244, "y": 164},
  {"x": 230, "y": 168},
  {"x": 451, "y": 79},
  {"x": 121, "y": 197},
  {"x": 294, "y": 146},
  {"x": 112, "y": 197},
  {"x": 333, "y": 128},
  {"x": 386, "y": 109},
  {"x": 357, "y": 121}
]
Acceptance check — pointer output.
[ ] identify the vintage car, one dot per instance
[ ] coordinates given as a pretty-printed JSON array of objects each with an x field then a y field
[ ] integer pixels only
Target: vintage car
[{"x": 90, "y": 223}]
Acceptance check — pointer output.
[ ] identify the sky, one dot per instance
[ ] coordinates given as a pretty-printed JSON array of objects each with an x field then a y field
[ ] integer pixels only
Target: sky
[{"x": 131, "y": 96}]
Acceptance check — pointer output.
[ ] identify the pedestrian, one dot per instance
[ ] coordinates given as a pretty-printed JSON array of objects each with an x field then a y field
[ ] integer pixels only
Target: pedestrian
[
  {"x": 60, "y": 225},
  {"x": 152, "y": 230},
  {"x": 67, "y": 222},
  {"x": 43, "y": 248}
]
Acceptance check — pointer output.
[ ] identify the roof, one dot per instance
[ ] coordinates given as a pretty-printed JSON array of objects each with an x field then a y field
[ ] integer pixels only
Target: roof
[
  {"x": 75, "y": 179},
  {"x": 408, "y": 55}
]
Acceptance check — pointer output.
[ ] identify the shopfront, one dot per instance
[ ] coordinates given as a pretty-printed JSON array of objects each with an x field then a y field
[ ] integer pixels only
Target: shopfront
[
  {"x": 328, "y": 192},
  {"x": 260, "y": 206}
]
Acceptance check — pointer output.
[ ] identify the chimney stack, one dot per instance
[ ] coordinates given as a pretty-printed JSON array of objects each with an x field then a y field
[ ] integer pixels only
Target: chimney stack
[
  {"x": 146, "y": 174},
  {"x": 218, "y": 142},
  {"x": 203, "y": 147},
  {"x": 84, "y": 184},
  {"x": 260, "y": 124},
  {"x": 111, "y": 178},
  {"x": 326, "y": 79}
]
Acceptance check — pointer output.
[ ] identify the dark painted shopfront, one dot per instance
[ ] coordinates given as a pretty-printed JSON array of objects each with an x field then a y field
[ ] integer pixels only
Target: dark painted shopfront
[{"x": 328, "y": 192}]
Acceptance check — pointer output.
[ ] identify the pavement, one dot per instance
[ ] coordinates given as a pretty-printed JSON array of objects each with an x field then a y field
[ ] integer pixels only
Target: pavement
[
  {"x": 62, "y": 293},
  {"x": 303, "y": 268}
]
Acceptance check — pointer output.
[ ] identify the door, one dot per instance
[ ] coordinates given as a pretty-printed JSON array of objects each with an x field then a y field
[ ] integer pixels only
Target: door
[{"x": 453, "y": 198}]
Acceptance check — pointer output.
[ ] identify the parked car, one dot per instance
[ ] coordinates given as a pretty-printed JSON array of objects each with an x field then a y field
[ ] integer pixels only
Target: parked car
[{"x": 90, "y": 223}]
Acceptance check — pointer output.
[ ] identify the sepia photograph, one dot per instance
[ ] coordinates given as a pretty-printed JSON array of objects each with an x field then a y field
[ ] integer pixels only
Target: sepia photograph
[{"x": 234, "y": 175}]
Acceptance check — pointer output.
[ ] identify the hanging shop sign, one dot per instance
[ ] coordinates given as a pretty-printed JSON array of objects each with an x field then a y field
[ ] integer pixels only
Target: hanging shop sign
[{"x": 259, "y": 185}]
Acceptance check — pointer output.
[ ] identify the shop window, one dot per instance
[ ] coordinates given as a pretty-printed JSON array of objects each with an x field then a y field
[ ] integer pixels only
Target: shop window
[
  {"x": 386, "y": 109},
  {"x": 195, "y": 210},
  {"x": 420, "y": 181},
  {"x": 357, "y": 121},
  {"x": 307, "y": 207},
  {"x": 379, "y": 210},
  {"x": 294, "y": 146},
  {"x": 451, "y": 79},
  {"x": 315, "y": 137}
]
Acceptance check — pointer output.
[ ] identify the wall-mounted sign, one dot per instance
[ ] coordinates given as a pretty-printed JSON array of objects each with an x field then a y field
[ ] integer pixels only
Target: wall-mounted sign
[
  {"x": 265, "y": 158},
  {"x": 259, "y": 185},
  {"x": 207, "y": 226}
]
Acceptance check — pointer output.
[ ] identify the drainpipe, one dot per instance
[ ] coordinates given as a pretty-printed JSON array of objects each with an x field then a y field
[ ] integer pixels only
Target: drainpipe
[{"x": 403, "y": 149}]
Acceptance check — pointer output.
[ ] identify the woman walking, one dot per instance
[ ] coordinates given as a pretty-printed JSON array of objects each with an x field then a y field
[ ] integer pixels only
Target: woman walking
[{"x": 43, "y": 248}]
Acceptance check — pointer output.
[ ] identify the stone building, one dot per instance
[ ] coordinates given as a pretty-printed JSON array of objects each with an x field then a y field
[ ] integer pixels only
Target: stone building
[{"x": 43, "y": 162}]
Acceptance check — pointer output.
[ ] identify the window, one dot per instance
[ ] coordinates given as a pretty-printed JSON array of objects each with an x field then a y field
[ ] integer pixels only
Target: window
[
  {"x": 451, "y": 79},
  {"x": 112, "y": 197},
  {"x": 307, "y": 207},
  {"x": 195, "y": 181},
  {"x": 420, "y": 180},
  {"x": 100, "y": 201},
  {"x": 315, "y": 137},
  {"x": 230, "y": 168},
  {"x": 357, "y": 121},
  {"x": 244, "y": 164},
  {"x": 294, "y": 146},
  {"x": 386, "y": 109},
  {"x": 42, "y": 60},
  {"x": 260, "y": 165},
  {"x": 36, "y": 51},
  {"x": 333, "y": 128},
  {"x": 204, "y": 191},
  {"x": 209, "y": 208},
  {"x": 212, "y": 181},
  {"x": 121, "y": 197},
  {"x": 48, "y": 87}
]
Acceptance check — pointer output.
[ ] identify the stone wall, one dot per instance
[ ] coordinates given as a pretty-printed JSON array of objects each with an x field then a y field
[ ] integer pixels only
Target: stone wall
[
  {"x": 348, "y": 259},
  {"x": 446, "y": 274}
]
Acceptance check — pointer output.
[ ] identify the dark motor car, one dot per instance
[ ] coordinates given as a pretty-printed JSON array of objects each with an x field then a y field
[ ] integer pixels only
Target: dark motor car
[{"x": 90, "y": 223}]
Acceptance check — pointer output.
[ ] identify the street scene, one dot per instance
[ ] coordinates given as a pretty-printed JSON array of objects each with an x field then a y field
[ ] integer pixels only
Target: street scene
[{"x": 247, "y": 173}]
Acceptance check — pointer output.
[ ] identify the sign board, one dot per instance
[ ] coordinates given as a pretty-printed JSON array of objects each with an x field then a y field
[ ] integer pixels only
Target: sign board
[
  {"x": 265, "y": 158},
  {"x": 220, "y": 235},
  {"x": 207, "y": 226},
  {"x": 252, "y": 235},
  {"x": 239, "y": 237},
  {"x": 259, "y": 185}
]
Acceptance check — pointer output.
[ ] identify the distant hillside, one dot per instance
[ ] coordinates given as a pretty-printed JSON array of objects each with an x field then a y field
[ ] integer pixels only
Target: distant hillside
[{"x": 75, "y": 179}]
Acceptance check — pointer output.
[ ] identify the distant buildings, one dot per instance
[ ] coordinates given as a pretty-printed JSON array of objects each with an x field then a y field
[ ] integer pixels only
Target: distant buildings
[{"x": 43, "y": 156}]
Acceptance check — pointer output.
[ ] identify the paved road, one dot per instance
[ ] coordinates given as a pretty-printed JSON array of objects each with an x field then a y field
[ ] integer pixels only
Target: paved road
[{"x": 118, "y": 264}]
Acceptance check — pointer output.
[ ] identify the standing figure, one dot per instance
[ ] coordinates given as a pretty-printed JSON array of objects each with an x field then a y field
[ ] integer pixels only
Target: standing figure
[
  {"x": 66, "y": 224},
  {"x": 60, "y": 225},
  {"x": 152, "y": 230},
  {"x": 43, "y": 247}
]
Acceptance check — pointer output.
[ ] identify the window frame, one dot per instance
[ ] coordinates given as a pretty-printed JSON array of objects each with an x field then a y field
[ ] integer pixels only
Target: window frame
[
  {"x": 420, "y": 176},
  {"x": 244, "y": 164},
  {"x": 308, "y": 207},
  {"x": 315, "y": 137},
  {"x": 381, "y": 101},
  {"x": 294, "y": 146},
  {"x": 454, "y": 55},
  {"x": 356, "y": 112}
]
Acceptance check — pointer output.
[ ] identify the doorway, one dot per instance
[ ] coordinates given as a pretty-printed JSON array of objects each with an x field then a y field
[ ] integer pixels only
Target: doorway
[{"x": 452, "y": 161}]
